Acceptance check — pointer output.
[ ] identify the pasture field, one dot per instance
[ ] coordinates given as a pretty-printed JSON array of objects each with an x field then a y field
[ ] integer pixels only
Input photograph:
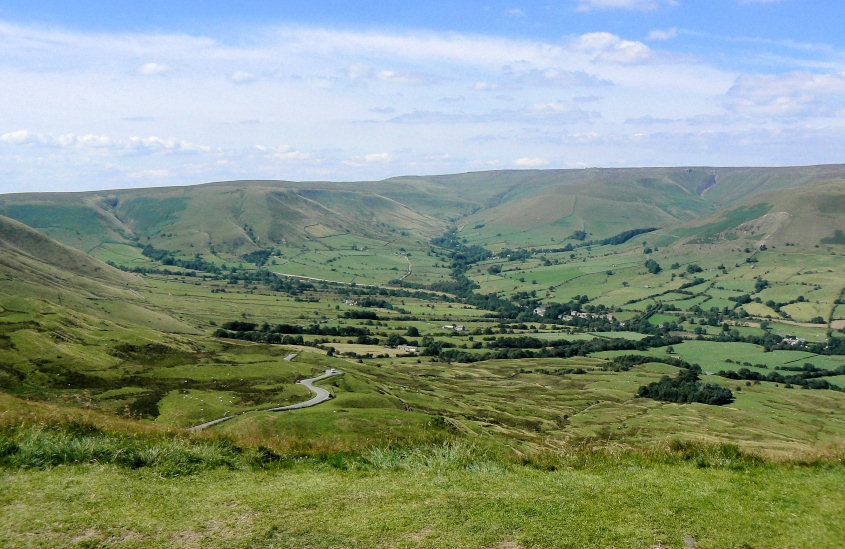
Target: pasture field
[{"x": 713, "y": 356}]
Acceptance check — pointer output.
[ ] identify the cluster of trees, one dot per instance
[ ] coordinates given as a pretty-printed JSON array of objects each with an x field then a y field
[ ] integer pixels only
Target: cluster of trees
[
  {"x": 625, "y": 236},
  {"x": 166, "y": 257},
  {"x": 686, "y": 387},
  {"x": 258, "y": 257},
  {"x": 623, "y": 363},
  {"x": 805, "y": 376},
  {"x": 361, "y": 315},
  {"x": 280, "y": 333},
  {"x": 552, "y": 349},
  {"x": 374, "y": 302},
  {"x": 233, "y": 275}
]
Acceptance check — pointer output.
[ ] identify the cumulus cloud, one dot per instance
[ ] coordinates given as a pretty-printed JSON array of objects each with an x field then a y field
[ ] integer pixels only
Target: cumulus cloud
[
  {"x": 608, "y": 47},
  {"x": 159, "y": 144},
  {"x": 18, "y": 137},
  {"x": 149, "y": 69},
  {"x": 789, "y": 95},
  {"x": 132, "y": 144}
]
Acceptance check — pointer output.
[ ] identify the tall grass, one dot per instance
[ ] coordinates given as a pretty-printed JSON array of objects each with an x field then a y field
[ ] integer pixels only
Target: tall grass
[
  {"x": 40, "y": 447},
  {"x": 39, "y": 435}
]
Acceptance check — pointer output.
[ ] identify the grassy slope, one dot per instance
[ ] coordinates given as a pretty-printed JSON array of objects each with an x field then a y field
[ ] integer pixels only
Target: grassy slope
[
  {"x": 804, "y": 216},
  {"x": 453, "y": 494},
  {"x": 526, "y": 207},
  {"x": 431, "y": 503}
]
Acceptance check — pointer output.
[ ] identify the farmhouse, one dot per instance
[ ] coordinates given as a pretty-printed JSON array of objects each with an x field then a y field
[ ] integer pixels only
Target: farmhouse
[
  {"x": 407, "y": 348},
  {"x": 579, "y": 314},
  {"x": 794, "y": 340},
  {"x": 352, "y": 302},
  {"x": 540, "y": 311},
  {"x": 456, "y": 327}
]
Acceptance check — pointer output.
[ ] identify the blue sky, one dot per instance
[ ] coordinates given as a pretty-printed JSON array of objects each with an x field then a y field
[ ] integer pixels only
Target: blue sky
[{"x": 124, "y": 94}]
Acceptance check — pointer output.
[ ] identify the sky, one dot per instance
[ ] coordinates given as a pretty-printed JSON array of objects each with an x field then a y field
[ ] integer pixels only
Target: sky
[{"x": 120, "y": 94}]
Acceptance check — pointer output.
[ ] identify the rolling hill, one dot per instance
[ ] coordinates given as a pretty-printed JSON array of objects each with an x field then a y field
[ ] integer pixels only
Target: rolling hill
[{"x": 500, "y": 208}]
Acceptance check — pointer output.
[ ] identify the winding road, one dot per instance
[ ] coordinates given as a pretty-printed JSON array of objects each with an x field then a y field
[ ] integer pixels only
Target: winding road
[{"x": 320, "y": 395}]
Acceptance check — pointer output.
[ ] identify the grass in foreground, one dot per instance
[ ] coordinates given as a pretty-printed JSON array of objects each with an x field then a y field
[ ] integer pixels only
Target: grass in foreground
[{"x": 80, "y": 484}]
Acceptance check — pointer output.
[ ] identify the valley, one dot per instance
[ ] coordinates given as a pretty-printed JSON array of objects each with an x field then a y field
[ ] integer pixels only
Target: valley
[{"x": 496, "y": 332}]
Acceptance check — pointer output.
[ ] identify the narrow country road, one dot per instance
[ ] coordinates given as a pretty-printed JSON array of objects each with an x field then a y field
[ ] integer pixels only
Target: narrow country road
[
  {"x": 320, "y": 395},
  {"x": 406, "y": 275}
]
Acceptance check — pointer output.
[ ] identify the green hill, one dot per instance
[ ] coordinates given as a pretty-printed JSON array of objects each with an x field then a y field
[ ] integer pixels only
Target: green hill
[
  {"x": 809, "y": 215},
  {"x": 506, "y": 208}
]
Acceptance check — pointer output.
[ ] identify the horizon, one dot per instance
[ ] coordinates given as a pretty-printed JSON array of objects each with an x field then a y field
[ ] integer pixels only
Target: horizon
[
  {"x": 399, "y": 176},
  {"x": 158, "y": 185},
  {"x": 103, "y": 97}
]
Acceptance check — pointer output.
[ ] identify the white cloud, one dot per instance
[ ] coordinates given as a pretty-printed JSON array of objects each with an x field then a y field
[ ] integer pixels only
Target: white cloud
[
  {"x": 516, "y": 12},
  {"x": 407, "y": 78},
  {"x": 150, "y": 174},
  {"x": 609, "y": 47},
  {"x": 534, "y": 114},
  {"x": 81, "y": 117},
  {"x": 789, "y": 95},
  {"x": 359, "y": 70},
  {"x": 159, "y": 144},
  {"x": 242, "y": 77},
  {"x": 377, "y": 157},
  {"x": 17, "y": 137},
  {"x": 665, "y": 34},
  {"x": 530, "y": 162},
  {"x": 485, "y": 86},
  {"x": 286, "y": 152},
  {"x": 632, "y": 5},
  {"x": 149, "y": 69}
]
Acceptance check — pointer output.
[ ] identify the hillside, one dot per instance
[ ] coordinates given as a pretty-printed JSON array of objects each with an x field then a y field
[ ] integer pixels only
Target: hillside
[
  {"x": 500, "y": 208},
  {"x": 29, "y": 255},
  {"x": 805, "y": 216},
  {"x": 231, "y": 218}
]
